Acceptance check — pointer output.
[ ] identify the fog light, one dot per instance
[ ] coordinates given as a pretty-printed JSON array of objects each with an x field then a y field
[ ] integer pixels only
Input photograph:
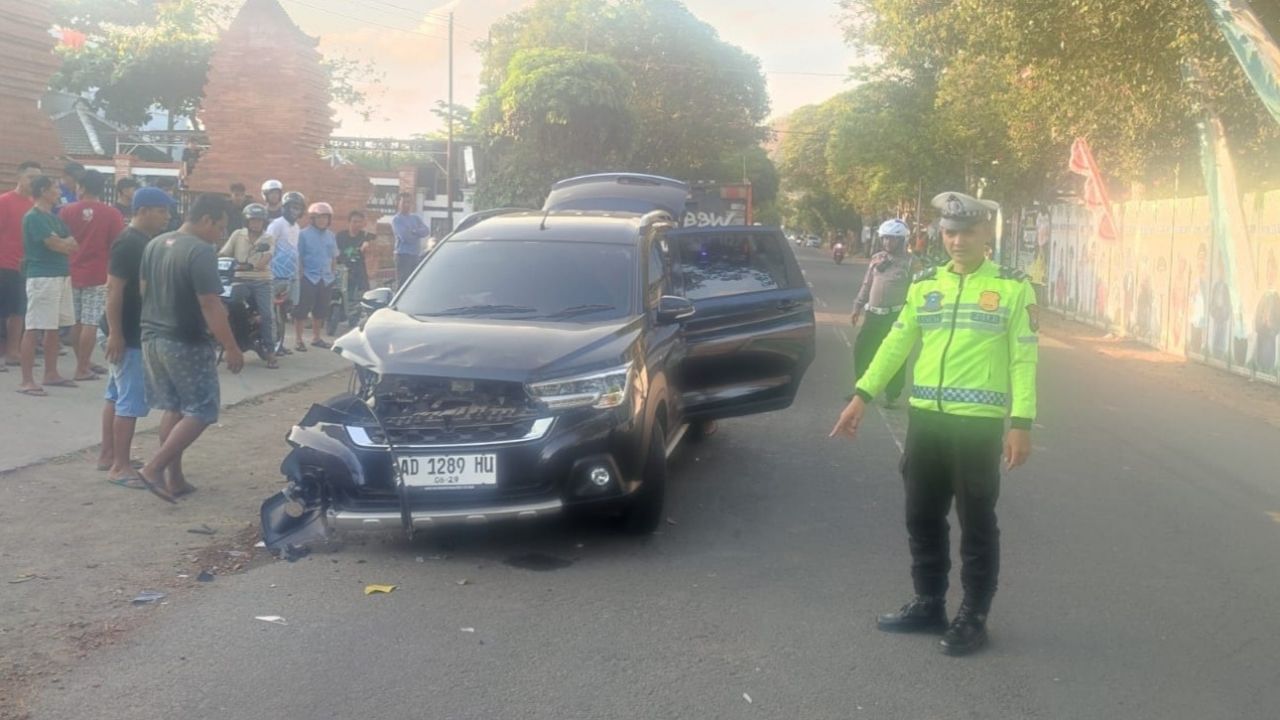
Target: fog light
[{"x": 600, "y": 476}]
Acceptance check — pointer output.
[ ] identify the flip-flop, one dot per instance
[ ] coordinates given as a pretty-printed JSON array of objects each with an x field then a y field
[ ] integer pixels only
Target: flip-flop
[
  {"x": 63, "y": 383},
  {"x": 33, "y": 392},
  {"x": 87, "y": 378},
  {"x": 99, "y": 370},
  {"x": 320, "y": 344},
  {"x": 273, "y": 365},
  {"x": 132, "y": 483},
  {"x": 190, "y": 489},
  {"x": 300, "y": 347},
  {"x": 157, "y": 490}
]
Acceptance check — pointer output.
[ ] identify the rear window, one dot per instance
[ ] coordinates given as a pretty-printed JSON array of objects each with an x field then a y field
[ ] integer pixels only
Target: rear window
[
  {"x": 730, "y": 263},
  {"x": 524, "y": 280}
]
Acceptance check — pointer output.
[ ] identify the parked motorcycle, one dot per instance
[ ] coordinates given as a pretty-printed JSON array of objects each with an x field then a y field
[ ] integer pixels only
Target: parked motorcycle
[
  {"x": 837, "y": 253},
  {"x": 246, "y": 326}
]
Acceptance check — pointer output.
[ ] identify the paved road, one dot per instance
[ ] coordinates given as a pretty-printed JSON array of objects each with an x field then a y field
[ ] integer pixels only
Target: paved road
[
  {"x": 1140, "y": 581},
  {"x": 70, "y": 419}
]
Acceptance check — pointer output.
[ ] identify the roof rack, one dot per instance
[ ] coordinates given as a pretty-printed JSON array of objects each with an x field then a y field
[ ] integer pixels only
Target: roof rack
[{"x": 476, "y": 218}]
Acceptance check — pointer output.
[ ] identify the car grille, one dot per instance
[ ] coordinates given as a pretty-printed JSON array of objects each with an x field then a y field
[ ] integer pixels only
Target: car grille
[{"x": 445, "y": 411}]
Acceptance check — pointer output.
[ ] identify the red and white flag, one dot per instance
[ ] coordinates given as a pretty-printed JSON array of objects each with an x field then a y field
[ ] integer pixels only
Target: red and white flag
[{"x": 1096, "y": 197}]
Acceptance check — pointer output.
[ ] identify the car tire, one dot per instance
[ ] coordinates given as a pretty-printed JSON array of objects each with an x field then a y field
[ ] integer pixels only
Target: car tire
[{"x": 643, "y": 513}]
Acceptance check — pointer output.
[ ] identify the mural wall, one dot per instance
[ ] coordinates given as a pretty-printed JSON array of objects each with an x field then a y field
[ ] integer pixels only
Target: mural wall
[{"x": 1164, "y": 281}]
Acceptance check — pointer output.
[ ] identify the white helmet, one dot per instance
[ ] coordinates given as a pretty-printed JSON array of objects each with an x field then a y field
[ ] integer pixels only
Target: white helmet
[
  {"x": 894, "y": 228},
  {"x": 270, "y": 185}
]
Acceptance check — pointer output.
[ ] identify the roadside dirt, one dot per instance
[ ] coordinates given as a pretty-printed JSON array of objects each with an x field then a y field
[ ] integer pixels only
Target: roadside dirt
[
  {"x": 75, "y": 550},
  {"x": 1257, "y": 399}
]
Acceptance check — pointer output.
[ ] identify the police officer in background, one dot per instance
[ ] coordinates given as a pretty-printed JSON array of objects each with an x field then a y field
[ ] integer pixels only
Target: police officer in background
[
  {"x": 977, "y": 323},
  {"x": 883, "y": 294}
]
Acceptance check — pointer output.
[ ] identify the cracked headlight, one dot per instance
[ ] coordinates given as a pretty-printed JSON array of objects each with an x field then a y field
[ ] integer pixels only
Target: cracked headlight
[{"x": 601, "y": 390}]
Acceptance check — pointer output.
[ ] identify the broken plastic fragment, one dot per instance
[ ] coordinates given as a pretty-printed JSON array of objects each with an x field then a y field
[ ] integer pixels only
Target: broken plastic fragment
[
  {"x": 747, "y": 698},
  {"x": 202, "y": 530},
  {"x": 148, "y": 597},
  {"x": 276, "y": 619},
  {"x": 371, "y": 589},
  {"x": 468, "y": 629},
  {"x": 204, "y": 576}
]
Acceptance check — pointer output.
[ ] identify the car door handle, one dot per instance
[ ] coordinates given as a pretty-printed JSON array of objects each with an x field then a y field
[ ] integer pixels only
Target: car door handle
[{"x": 789, "y": 305}]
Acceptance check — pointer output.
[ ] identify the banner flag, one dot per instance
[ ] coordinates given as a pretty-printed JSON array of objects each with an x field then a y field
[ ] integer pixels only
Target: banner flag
[{"x": 1254, "y": 48}]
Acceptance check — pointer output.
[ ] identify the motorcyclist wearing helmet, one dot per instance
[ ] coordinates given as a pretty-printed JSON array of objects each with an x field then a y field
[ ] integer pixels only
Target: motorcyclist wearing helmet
[
  {"x": 284, "y": 232},
  {"x": 273, "y": 198},
  {"x": 317, "y": 260},
  {"x": 883, "y": 294},
  {"x": 251, "y": 247}
]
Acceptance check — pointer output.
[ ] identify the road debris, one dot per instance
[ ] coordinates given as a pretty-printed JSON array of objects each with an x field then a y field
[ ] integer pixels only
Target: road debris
[
  {"x": 23, "y": 578},
  {"x": 202, "y": 530},
  {"x": 385, "y": 589},
  {"x": 149, "y": 597},
  {"x": 274, "y": 619},
  {"x": 467, "y": 629},
  {"x": 747, "y": 698},
  {"x": 204, "y": 576},
  {"x": 671, "y": 521},
  {"x": 463, "y": 581}
]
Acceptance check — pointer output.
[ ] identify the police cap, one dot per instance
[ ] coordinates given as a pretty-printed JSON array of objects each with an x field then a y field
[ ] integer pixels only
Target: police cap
[{"x": 961, "y": 212}]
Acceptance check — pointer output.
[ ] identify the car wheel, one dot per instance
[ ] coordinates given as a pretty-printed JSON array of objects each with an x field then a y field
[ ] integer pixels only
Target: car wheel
[{"x": 643, "y": 513}]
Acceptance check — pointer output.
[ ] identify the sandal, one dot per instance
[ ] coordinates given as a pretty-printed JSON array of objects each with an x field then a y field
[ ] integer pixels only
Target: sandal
[
  {"x": 33, "y": 392},
  {"x": 88, "y": 378},
  {"x": 64, "y": 383},
  {"x": 300, "y": 347},
  {"x": 132, "y": 482},
  {"x": 99, "y": 370},
  {"x": 273, "y": 364},
  {"x": 322, "y": 344}
]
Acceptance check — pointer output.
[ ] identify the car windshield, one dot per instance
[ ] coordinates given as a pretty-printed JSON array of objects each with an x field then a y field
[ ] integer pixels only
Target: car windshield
[{"x": 524, "y": 280}]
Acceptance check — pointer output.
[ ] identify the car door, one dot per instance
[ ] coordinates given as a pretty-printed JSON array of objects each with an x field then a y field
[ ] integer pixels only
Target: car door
[{"x": 751, "y": 338}]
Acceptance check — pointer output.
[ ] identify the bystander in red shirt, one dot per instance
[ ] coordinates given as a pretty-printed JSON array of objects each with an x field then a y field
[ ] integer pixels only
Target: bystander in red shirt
[
  {"x": 95, "y": 225},
  {"x": 13, "y": 205}
]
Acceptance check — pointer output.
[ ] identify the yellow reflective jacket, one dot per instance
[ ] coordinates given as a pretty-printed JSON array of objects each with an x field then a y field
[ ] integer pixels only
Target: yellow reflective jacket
[{"x": 979, "y": 344}]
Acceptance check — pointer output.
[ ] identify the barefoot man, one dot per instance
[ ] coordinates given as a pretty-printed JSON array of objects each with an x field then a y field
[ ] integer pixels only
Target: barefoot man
[{"x": 182, "y": 316}]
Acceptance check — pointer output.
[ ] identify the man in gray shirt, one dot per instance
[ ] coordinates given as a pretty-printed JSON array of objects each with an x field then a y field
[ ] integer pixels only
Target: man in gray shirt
[
  {"x": 182, "y": 316},
  {"x": 884, "y": 290}
]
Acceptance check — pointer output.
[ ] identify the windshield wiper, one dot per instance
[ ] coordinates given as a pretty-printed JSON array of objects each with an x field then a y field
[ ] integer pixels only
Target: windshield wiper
[
  {"x": 576, "y": 310},
  {"x": 484, "y": 310}
]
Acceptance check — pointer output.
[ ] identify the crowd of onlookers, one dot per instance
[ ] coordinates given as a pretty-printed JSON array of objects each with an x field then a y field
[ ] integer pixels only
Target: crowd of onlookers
[{"x": 139, "y": 281}]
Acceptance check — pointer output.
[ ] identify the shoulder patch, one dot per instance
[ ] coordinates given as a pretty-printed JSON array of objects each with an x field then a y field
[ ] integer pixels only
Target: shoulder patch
[
  {"x": 1008, "y": 273},
  {"x": 928, "y": 273}
]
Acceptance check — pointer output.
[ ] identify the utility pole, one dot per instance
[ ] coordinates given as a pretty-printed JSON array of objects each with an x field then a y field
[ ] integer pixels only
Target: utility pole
[{"x": 448, "y": 154}]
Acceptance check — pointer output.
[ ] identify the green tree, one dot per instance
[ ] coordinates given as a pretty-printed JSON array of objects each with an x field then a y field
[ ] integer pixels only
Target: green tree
[
  {"x": 1018, "y": 80},
  {"x": 557, "y": 113},
  {"x": 695, "y": 99}
]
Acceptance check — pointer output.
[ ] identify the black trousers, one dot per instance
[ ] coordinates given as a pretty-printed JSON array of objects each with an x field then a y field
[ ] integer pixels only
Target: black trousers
[
  {"x": 946, "y": 457},
  {"x": 874, "y": 330}
]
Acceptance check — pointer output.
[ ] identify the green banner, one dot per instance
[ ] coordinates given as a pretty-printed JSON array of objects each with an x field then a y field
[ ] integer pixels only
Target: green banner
[{"x": 1254, "y": 48}]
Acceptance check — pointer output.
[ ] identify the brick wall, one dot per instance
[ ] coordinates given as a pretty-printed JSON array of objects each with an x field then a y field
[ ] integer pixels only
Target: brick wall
[
  {"x": 27, "y": 59},
  {"x": 266, "y": 112}
]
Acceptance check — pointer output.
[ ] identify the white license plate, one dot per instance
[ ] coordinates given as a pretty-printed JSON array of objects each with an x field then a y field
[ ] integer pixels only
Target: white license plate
[{"x": 448, "y": 470}]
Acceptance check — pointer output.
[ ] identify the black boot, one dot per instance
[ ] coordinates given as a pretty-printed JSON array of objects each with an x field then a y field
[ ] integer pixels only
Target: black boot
[
  {"x": 967, "y": 634},
  {"x": 923, "y": 614}
]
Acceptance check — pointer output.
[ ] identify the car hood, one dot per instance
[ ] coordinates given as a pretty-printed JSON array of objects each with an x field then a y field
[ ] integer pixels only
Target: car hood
[{"x": 393, "y": 343}]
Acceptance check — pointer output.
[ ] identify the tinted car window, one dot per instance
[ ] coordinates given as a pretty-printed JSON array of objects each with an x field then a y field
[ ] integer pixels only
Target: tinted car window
[
  {"x": 730, "y": 263},
  {"x": 581, "y": 282}
]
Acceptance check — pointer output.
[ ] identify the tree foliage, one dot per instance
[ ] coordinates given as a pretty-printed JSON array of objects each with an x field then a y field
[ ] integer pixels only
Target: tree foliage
[
  {"x": 693, "y": 103},
  {"x": 1015, "y": 81}
]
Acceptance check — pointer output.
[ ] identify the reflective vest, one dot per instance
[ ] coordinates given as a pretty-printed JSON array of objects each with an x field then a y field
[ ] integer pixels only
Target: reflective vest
[{"x": 979, "y": 344}]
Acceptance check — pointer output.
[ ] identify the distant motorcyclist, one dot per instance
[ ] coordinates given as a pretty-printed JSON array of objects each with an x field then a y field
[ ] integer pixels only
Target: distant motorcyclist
[
  {"x": 883, "y": 294},
  {"x": 273, "y": 198},
  {"x": 252, "y": 247}
]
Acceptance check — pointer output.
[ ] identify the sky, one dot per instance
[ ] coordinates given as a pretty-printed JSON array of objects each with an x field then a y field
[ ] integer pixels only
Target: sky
[{"x": 405, "y": 39}]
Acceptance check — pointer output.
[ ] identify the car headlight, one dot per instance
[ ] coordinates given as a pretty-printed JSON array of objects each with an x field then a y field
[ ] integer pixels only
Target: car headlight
[{"x": 602, "y": 390}]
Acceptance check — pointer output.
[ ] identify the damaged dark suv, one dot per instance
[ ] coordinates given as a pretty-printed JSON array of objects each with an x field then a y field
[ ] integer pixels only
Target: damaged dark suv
[{"x": 546, "y": 361}]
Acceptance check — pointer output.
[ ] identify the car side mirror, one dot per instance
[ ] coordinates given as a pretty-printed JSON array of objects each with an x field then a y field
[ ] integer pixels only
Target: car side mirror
[
  {"x": 376, "y": 299},
  {"x": 674, "y": 309}
]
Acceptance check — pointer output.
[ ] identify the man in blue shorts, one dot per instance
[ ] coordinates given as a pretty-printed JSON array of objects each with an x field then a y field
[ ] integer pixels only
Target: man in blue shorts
[{"x": 120, "y": 334}]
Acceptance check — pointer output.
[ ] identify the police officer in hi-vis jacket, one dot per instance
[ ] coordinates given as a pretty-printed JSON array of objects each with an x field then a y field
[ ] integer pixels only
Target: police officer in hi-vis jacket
[{"x": 977, "y": 323}]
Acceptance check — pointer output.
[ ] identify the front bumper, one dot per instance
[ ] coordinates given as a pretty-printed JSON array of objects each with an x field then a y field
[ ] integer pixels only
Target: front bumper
[{"x": 340, "y": 478}]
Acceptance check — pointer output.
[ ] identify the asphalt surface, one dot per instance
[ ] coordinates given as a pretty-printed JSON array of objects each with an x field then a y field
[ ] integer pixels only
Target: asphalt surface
[{"x": 1140, "y": 580}]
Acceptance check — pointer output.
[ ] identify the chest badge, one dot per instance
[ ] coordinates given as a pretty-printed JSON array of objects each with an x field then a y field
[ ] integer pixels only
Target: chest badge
[
  {"x": 989, "y": 301},
  {"x": 933, "y": 302}
]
